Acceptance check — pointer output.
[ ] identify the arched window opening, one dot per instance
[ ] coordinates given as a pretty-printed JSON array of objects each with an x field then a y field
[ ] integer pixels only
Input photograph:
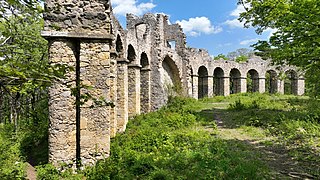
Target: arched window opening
[
  {"x": 144, "y": 61},
  {"x": 252, "y": 81},
  {"x": 271, "y": 82},
  {"x": 131, "y": 53},
  {"x": 218, "y": 78},
  {"x": 235, "y": 81},
  {"x": 170, "y": 77},
  {"x": 202, "y": 82},
  {"x": 119, "y": 45},
  {"x": 291, "y": 82}
]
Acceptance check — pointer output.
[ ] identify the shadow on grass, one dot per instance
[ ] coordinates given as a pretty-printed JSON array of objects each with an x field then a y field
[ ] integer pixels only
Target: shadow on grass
[{"x": 286, "y": 160}]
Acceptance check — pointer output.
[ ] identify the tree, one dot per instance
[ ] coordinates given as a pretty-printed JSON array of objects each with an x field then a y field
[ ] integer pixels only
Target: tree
[
  {"x": 296, "y": 40},
  {"x": 220, "y": 56},
  {"x": 25, "y": 72},
  {"x": 240, "y": 55}
]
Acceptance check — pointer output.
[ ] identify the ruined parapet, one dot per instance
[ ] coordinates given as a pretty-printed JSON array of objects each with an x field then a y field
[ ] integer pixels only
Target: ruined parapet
[{"x": 79, "y": 35}]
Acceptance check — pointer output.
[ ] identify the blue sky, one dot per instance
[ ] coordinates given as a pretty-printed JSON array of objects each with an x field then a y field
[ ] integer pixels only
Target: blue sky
[{"x": 209, "y": 24}]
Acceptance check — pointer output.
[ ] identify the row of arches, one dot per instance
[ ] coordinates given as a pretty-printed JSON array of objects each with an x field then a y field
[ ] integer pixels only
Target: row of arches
[{"x": 235, "y": 82}]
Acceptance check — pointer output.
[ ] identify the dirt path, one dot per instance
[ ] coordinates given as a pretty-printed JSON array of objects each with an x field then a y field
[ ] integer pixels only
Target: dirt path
[
  {"x": 275, "y": 156},
  {"x": 31, "y": 172}
]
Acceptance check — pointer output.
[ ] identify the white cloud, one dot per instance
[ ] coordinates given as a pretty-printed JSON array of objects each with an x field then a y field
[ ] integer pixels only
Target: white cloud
[
  {"x": 235, "y": 23},
  {"x": 196, "y": 26},
  {"x": 249, "y": 41},
  {"x": 270, "y": 32},
  {"x": 122, "y": 7}
]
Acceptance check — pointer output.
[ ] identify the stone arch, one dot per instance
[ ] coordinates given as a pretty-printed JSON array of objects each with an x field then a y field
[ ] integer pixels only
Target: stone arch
[
  {"x": 218, "y": 78},
  {"x": 271, "y": 81},
  {"x": 144, "y": 60},
  {"x": 170, "y": 77},
  {"x": 291, "y": 82},
  {"x": 202, "y": 82},
  {"x": 145, "y": 87},
  {"x": 141, "y": 30},
  {"x": 252, "y": 81},
  {"x": 235, "y": 81},
  {"x": 131, "y": 53},
  {"x": 119, "y": 46}
]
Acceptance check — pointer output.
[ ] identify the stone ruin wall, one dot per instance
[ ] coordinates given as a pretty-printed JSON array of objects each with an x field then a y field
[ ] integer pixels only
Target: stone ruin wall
[{"x": 136, "y": 69}]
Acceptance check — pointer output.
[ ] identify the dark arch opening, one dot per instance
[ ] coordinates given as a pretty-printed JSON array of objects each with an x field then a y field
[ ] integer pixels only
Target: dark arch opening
[
  {"x": 144, "y": 61},
  {"x": 271, "y": 82},
  {"x": 252, "y": 81},
  {"x": 235, "y": 81},
  {"x": 172, "y": 81},
  {"x": 191, "y": 71},
  {"x": 218, "y": 78},
  {"x": 291, "y": 82},
  {"x": 202, "y": 82},
  {"x": 131, "y": 53},
  {"x": 119, "y": 45}
]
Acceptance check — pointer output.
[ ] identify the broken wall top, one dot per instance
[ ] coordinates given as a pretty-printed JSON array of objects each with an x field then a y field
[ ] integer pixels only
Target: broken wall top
[{"x": 77, "y": 18}]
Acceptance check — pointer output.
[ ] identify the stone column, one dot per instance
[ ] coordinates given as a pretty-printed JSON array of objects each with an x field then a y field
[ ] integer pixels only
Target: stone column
[
  {"x": 280, "y": 86},
  {"x": 95, "y": 65},
  {"x": 262, "y": 85},
  {"x": 134, "y": 89},
  {"x": 62, "y": 111},
  {"x": 243, "y": 85},
  {"x": 210, "y": 86},
  {"x": 122, "y": 98},
  {"x": 113, "y": 95},
  {"x": 301, "y": 86},
  {"x": 195, "y": 86},
  {"x": 145, "y": 89},
  {"x": 226, "y": 86},
  {"x": 80, "y": 121}
]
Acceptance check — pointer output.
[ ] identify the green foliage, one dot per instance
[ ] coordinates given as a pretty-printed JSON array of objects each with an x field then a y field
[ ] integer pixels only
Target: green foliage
[
  {"x": 296, "y": 37},
  {"x": 240, "y": 55},
  {"x": 294, "y": 121},
  {"x": 221, "y": 56},
  {"x": 169, "y": 144},
  {"x": 11, "y": 161}
]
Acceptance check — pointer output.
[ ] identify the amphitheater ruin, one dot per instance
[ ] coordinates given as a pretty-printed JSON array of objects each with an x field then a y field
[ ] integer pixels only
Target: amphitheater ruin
[{"x": 136, "y": 69}]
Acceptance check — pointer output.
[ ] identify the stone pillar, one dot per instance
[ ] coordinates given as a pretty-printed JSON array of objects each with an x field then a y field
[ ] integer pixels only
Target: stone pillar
[
  {"x": 280, "y": 86},
  {"x": 134, "y": 89},
  {"x": 190, "y": 88},
  {"x": 243, "y": 85},
  {"x": 62, "y": 111},
  {"x": 145, "y": 89},
  {"x": 95, "y": 65},
  {"x": 301, "y": 86},
  {"x": 226, "y": 86},
  {"x": 262, "y": 85},
  {"x": 210, "y": 86},
  {"x": 122, "y": 98},
  {"x": 113, "y": 95},
  {"x": 79, "y": 34},
  {"x": 195, "y": 86}
]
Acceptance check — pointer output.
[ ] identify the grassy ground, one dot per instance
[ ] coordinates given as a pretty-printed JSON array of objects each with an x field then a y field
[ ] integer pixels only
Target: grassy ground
[
  {"x": 247, "y": 136},
  {"x": 284, "y": 129}
]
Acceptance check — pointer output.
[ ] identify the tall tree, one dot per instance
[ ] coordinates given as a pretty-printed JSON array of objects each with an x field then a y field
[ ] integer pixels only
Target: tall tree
[
  {"x": 24, "y": 69},
  {"x": 296, "y": 40}
]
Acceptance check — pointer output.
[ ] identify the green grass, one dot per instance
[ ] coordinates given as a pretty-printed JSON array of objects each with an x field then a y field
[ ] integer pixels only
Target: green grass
[
  {"x": 172, "y": 144},
  {"x": 181, "y": 140}
]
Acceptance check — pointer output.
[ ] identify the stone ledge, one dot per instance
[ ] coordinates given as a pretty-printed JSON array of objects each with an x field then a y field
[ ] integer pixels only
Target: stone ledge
[
  {"x": 145, "y": 69},
  {"x": 134, "y": 65},
  {"x": 123, "y": 60},
  {"x": 56, "y": 34}
]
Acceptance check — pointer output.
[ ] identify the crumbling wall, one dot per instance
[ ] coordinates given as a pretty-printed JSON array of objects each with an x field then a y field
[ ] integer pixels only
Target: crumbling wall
[
  {"x": 136, "y": 69},
  {"x": 79, "y": 35}
]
